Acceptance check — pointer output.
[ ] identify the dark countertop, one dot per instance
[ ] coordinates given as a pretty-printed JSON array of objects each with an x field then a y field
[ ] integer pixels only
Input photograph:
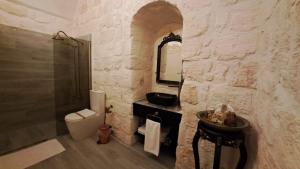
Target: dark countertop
[{"x": 175, "y": 109}]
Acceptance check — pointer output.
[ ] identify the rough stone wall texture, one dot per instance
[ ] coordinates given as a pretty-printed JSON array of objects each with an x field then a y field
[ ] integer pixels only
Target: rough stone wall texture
[
  {"x": 122, "y": 55},
  {"x": 247, "y": 55},
  {"x": 241, "y": 52},
  {"x": 20, "y": 16}
]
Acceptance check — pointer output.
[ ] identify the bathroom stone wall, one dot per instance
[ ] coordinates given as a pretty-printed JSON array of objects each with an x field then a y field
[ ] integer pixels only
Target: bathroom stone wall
[
  {"x": 21, "y": 16},
  {"x": 241, "y": 52},
  {"x": 122, "y": 51},
  {"x": 245, "y": 53}
]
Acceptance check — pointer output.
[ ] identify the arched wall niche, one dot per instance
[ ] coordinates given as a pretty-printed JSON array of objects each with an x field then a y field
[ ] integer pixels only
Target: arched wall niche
[{"x": 151, "y": 21}]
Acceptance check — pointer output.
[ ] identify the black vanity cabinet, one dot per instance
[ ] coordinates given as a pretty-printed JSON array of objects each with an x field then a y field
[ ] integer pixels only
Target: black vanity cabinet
[{"x": 170, "y": 115}]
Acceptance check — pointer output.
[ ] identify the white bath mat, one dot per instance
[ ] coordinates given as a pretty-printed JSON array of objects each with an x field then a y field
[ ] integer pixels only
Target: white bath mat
[{"x": 32, "y": 155}]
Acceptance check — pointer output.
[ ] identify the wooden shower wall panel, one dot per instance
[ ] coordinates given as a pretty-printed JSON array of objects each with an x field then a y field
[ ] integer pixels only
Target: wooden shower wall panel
[{"x": 26, "y": 78}]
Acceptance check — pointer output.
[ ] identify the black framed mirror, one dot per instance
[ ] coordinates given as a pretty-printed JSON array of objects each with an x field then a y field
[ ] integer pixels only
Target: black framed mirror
[{"x": 169, "y": 62}]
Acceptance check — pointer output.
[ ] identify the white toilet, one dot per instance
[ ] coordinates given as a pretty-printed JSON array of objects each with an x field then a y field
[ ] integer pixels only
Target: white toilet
[{"x": 85, "y": 123}]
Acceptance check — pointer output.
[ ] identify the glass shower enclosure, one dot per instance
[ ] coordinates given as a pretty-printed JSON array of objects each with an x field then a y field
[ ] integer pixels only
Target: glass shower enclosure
[{"x": 42, "y": 78}]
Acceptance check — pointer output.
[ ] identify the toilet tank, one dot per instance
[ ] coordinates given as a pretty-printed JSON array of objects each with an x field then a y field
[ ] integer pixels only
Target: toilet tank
[{"x": 97, "y": 101}]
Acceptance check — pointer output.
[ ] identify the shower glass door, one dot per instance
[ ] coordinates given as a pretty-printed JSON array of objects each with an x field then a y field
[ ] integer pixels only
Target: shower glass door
[{"x": 41, "y": 80}]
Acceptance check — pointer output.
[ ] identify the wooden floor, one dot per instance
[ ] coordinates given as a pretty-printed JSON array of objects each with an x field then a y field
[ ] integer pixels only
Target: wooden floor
[
  {"x": 86, "y": 154},
  {"x": 12, "y": 140}
]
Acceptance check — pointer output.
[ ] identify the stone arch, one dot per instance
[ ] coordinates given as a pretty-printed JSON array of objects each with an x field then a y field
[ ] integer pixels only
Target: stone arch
[
  {"x": 135, "y": 78},
  {"x": 149, "y": 23}
]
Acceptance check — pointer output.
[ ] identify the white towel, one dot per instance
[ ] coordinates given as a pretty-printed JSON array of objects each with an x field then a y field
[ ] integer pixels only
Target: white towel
[
  {"x": 163, "y": 132},
  {"x": 152, "y": 137}
]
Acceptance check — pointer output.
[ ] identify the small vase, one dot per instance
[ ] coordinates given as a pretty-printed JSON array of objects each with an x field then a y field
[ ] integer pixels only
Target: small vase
[{"x": 104, "y": 133}]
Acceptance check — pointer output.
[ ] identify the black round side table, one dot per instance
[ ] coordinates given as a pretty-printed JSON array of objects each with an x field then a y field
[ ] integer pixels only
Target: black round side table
[{"x": 235, "y": 139}]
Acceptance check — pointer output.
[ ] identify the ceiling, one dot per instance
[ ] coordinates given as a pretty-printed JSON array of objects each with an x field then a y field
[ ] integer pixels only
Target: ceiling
[
  {"x": 158, "y": 14},
  {"x": 60, "y": 8}
]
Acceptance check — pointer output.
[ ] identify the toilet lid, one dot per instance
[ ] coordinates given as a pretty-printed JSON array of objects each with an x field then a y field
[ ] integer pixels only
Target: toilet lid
[
  {"x": 86, "y": 113},
  {"x": 73, "y": 117}
]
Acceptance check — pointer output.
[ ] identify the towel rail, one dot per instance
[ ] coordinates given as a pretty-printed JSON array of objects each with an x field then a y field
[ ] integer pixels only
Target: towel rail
[{"x": 154, "y": 117}]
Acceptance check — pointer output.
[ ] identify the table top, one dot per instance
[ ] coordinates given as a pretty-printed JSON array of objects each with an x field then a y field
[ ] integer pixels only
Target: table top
[{"x": 241, "y": 123}]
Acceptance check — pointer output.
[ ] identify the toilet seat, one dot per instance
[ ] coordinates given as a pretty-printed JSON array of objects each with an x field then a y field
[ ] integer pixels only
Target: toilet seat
[
  {"x": 80, "y": 115},
  {"x": 86, "y": 113},
  {"x": 73, "y": 117}
]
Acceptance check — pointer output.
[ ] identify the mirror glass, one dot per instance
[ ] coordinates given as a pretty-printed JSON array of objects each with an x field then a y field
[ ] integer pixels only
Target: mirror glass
[
  {"x": 170, "y": 68},
  {"x": 169, "y": 62}
]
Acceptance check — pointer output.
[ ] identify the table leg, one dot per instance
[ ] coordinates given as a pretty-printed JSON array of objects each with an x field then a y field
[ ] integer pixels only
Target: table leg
[
  {"x": 195, "y": 149},
  {"x": 243, "y": 156},
  {"x": 218, "y": 150}
]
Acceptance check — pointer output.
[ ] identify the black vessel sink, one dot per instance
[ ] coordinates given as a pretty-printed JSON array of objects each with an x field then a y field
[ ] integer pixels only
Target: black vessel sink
[{"x": 163, "y": 99}]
